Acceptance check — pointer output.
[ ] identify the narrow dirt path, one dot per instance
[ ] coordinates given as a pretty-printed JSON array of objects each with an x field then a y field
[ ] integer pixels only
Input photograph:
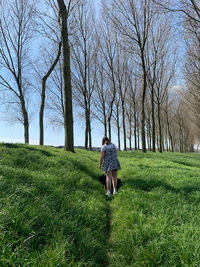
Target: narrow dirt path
[{"x": 109, "y": 229}]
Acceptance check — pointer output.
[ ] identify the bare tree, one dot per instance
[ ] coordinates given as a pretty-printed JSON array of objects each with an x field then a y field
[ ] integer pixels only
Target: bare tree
[
  {"x": 192, "y": 70},
  {"x": 68, "y": 114},
  {"x": 16, "y": 30},
  {"x": 100, "y": 97},
  {"x": 55, "y": 96},
  {"x": 43, "y": 91},
  {"x": 133, "y": 20},
  {"x": 188, "y": 12},
  {"x": 108, "y": 50},
  {"x": 122, "y": 78},
  {"x": 50, "y": 44},
  {"x": 190, "y": 9},
  {"x": 84, "y": 65},
  {"x": 117, "y": 117},
  {"x": 167, "y": 110}
]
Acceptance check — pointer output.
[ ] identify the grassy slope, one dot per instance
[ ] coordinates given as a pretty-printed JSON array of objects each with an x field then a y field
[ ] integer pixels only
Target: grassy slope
[
  {"x": 156, "y": 215},
  {"x": 53, "y": 211}
]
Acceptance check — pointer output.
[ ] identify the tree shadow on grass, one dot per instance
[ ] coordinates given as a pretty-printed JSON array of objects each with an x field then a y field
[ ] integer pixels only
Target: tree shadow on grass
[
  {"x": 172, "y": 167},
  {"x": 149, "y": 185},
  {"x": 181, "y": 159},
  {"x": 84, "y": 168},
  {"x": 197, "y": 165},
  {"x": 27, "y": 147},
  {"x": 10, "y": 145},
  {"x": 44, "y": 152},
  {"x": 45, "y": 190}
]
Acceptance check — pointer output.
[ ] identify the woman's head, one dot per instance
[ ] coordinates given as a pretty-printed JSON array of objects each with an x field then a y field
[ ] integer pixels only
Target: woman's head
[{"x": 105, "y": 140}]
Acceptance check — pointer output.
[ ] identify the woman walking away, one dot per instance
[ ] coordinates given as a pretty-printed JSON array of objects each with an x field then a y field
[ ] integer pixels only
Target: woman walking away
[{"x": 110, "y": 164}]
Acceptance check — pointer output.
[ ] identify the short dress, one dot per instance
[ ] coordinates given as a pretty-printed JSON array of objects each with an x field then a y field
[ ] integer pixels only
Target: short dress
[{"x": 110, "y": 162}]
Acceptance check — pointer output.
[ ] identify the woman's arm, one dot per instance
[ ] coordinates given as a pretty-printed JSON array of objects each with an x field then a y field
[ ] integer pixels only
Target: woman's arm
[{"x": 101, "y": 159}]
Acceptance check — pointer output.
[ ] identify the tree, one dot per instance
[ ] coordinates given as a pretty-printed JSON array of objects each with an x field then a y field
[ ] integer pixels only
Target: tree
[
  {"x": 68, "y": 114},
  {"x": 55, "y": 97},
  {"x": 192, "y": 69},
  {"x": 188, "y": 12},
  {"x": 100, "y": 98},
  {"x": 16, "y": 30},
  {"x": 122, "y": 78},
  {"x": 188, "y": 8},
  {"x": 117, "y": 118},
  {"x": 84, "y": 65},
  {"x": 50, "y": 44},
  {"x": 133, "y": 21},
  {"x": 42, "y": 105},
  {"x": 107, "y": 50}
]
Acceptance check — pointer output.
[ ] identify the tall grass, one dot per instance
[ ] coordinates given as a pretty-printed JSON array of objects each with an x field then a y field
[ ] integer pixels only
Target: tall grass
[
  {"x": 156, "y": 214},
  {"x": 52, "y": 209}
]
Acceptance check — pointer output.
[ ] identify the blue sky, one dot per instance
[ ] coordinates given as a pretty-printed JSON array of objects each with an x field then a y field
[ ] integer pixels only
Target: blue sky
[{"x": 15, "y": 133}]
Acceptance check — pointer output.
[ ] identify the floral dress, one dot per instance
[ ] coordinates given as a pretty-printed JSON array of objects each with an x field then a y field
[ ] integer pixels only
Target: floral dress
[{"x": 111, "y": 162}]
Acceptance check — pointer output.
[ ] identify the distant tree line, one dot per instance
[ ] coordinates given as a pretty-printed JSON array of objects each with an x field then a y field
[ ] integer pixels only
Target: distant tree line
[{"x": 120, "y": 68}]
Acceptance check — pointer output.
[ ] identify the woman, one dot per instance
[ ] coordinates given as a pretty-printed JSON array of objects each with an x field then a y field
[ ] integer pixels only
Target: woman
[{"x": 110, "y": 164}]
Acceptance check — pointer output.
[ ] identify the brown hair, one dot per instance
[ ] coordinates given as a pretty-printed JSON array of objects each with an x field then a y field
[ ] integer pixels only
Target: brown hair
[{"x": 105, "y": 140}]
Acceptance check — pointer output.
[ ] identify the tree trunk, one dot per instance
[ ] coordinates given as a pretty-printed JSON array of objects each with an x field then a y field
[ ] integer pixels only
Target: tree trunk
[
  {"x": 42, "y": 105},
  {"x": 118, "y": 135},
  {"x": 24, "y": 111},
  {"x": 143, "y": 104},
  {"x": 135, "y": 129},
  {"x": 41, "y": 114},
  {"x": 86, "y": 130},
  {"x": 170, "y": 135},
  {"x": 153, "y": 123},
  {"x": 26, "y": 121},
  {"x": 130, "y": 135},
  {"x": 159, "y": 129},
  {"x": 138, "y": 138},
  {"x": 68, "y": 113},
  {"x": 124, "y": 125},
  {"x": 105, "y": 124},
  {"x": 135, "y": 136},
  {"x": 157, "y": 140},
  {"x": 181, "y": 141},
  {"x": 26, "y": 126},
  {"x": 90, "y": 135},
  {"x": 109, "y": 128},
  {"x": 147, "y": 136},
  {"x": 118, "y": 129}
]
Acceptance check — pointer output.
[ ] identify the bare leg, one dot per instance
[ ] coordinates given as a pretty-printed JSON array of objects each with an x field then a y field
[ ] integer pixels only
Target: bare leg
[
  {"x": 108, "y": 180},
  {"x": 114, "y": 180}
]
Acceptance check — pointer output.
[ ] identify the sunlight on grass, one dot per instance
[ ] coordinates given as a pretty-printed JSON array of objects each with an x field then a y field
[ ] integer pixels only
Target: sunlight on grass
[
  {"x": 53, "y": 210},
  {"x": 156, "y": 213}
]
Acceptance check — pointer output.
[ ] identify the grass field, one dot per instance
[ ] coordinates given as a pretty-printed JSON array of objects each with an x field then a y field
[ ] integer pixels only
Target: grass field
[{"x": 53, "y": 211}]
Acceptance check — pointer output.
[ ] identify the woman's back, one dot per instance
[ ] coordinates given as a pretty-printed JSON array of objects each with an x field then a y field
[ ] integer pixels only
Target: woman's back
[
  {"x": 110, "y": 150},
  {"x": 110, "y": 157}
]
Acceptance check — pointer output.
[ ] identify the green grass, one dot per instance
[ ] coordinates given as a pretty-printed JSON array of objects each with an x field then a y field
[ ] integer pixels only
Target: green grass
[
  {"x": 156, "y": 215},
  {"x": 53, "y": 211}
]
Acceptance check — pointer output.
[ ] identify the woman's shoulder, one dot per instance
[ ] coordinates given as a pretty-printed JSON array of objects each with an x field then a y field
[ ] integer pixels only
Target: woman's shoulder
[
  {"x": 108, "y": 146},
  {"x": 111, "y": 145},
  {"x": 103, "y": 148}
]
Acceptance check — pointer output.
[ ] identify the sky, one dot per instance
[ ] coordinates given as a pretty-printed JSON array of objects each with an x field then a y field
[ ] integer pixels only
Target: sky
[{"x": 55, "y": 137}]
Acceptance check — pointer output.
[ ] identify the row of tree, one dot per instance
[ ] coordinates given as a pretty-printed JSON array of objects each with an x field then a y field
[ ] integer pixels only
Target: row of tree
[{"x": 119, "y": 68}]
